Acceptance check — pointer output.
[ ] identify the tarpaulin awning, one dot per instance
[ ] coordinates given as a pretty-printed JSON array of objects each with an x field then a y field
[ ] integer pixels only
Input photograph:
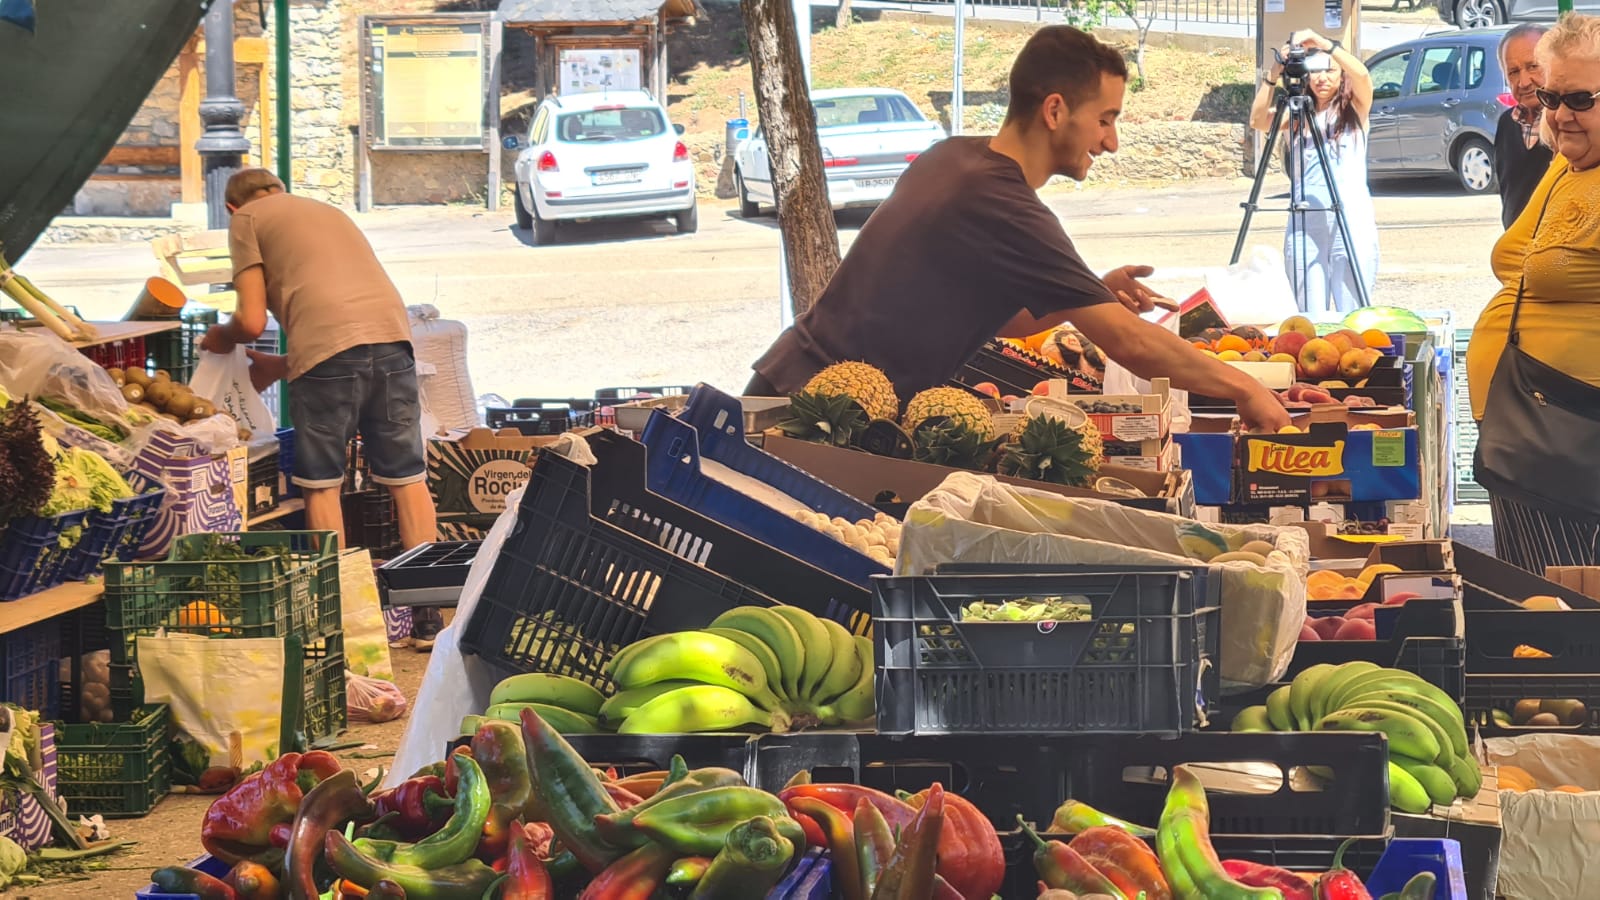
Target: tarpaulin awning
[{"x": 72, "y": 85}]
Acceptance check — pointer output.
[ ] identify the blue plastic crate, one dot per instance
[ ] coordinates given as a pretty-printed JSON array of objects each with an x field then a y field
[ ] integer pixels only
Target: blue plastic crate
[
  {"x": 286, "y": 462},
  {"x": 208, "y": 864},
  {"x": 30, "y": 661},
  {"x": 31, "y": 556},
  {"x": 116, "y": 535},
  {"x": 1406, "y": 857},
  {"x": 711, "y": 427}
]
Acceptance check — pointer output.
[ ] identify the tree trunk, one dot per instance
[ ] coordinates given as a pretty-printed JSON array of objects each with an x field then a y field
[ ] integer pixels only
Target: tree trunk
[
  {"x": 810, "y": 238},
  {"x": 842, "y": 20}
]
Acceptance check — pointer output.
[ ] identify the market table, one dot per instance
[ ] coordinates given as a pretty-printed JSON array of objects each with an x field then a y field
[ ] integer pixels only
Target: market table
[{"x": 47, "y": 604}]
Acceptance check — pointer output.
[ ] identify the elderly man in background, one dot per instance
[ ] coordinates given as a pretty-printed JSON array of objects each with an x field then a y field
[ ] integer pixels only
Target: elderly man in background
[{"x": 1520, "y": 158}]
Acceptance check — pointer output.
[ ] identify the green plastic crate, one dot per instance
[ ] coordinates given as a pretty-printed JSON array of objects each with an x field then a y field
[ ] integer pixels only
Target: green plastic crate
[
  {"x": 324, "y": 713},
  {"x": 294, "y": 595},
  {"x": 115, "y": 770}
]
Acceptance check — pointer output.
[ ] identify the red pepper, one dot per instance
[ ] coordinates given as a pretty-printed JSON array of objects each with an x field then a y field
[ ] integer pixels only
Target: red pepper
[
  {"x": 498, "y": 831},
  {"x": 625, "y": 799},
  {"x": 239, "y": 824},
  {"x": 636, "y": 876},
  {"x": 1340, "y": 883},
  {"x": 844, "y": 797},
  {"x": 910, "y": 872},
  {"x": 970, "y": 855},
  {"x": 1125, "y": 860},
  {"x": 280, "y": 835},
  {"x": 1250, "y": 874},
  {"x": 450, "y": 777},
  {"x": 420, "y": 805},
  {"x": 526, "y": 876}
]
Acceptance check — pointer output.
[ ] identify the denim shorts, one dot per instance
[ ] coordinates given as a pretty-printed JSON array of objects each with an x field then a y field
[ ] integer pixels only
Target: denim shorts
[{"x": 370, "y": 390}]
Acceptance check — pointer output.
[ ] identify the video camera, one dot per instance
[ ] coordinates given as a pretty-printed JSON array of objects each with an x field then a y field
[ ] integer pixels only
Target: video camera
[{"x": 1298, "y": 65}]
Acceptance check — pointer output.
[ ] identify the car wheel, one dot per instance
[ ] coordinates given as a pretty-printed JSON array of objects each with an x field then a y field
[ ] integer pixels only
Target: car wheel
[
  {"x": 689, "y": 220},
  {"x": 524, "y": 218},
  {"x": 544, "y": 230},
  {"x": 748, "y": 209},
  {"x": 1475, "y": 167},
  {"x": 1479, "y": 14}
]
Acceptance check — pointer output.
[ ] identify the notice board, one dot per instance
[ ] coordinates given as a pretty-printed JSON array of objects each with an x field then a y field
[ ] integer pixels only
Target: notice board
[{"x": 426, "y": 81}]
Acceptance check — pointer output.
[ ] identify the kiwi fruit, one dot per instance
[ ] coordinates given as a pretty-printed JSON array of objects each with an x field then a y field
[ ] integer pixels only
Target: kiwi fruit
[
  {"x": 181, "y": 405},
  {"x": 244, "y": 434},
  {"x": 203, "y": 409},
  {"x": 117, "y": 376},
  {"x": 137, "y": 376},
  {"x": 1570, "y": 712},
  {"x": 1525, "y": 710},
  {"x": 161, "y": 375},
  {"x": 132, "y": 392},
  {"x": 160, "y": 393},
  {"x": 1544, "y": 720}
]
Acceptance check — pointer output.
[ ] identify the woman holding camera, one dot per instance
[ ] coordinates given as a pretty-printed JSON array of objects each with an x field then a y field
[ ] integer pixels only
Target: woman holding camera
[{"x": 1315, "y": 254}]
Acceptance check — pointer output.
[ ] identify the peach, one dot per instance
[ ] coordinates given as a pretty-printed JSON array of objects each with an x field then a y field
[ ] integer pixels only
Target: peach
[
  {"x": 1355, "y": 364},
  {"x": 1298, "y": 325},
  {"x": 1340, "y": 340},
  {"x": 1290, "y": 342},
  {"x": 1319, "y": 358},
  {"x": 1356, "y": 630}
]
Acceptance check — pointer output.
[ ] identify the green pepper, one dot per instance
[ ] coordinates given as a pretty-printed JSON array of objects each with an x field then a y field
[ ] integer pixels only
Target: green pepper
[
  {"x": 751, "y": 862},
  {"x": 636, "y": 876},
  {"x": 840, "y": 832},
  {"x": 329, "y": 805},
  {"x": 874, "y": 844},
  {"x": 498, "y": 749},
  {"x": 687, "y": 872},
  {"x": 617, "y": 829},
  {"x": 568, "y": 793},
  {"x": 1060, "y": 866},
  {"x": 462, "y": 881},
  {"x": 910, "y": 872},
  {"x": 459, "y": 837},
  {"x": 1420, "y": 887},
  {"x": 698, "y": 824}
]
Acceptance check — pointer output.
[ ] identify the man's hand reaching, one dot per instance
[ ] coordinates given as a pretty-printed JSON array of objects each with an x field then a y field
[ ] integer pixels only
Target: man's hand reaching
[
  {"x": 1124, "y": 284},
  {"x": 1260, "y": 409}
]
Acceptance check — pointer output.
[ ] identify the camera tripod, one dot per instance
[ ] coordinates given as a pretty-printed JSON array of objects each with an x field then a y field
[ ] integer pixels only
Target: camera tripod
[{"x": 1297, "y": 103}]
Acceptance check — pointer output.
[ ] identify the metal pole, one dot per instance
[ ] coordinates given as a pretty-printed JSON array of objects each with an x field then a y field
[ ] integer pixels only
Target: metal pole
[
  {"x": 222, "y": 146},
  {"x": 956, "y": 101},
  {"x": 280, "y": 75}
]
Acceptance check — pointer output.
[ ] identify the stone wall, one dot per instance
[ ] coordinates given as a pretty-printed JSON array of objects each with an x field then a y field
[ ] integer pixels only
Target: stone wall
[
  {"x": 427, "y": 177},
  {"x": 1175, "y": 151},
  {"x": 322, "y": 111}
]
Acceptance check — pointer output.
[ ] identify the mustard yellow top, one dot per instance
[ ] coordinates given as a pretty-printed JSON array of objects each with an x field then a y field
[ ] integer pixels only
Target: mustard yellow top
[{"x": 1560, "y": 318}]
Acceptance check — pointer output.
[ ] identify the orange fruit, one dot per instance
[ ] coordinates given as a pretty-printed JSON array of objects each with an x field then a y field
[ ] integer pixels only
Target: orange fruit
[
  {"x": 1233, "y": 342},
  {"x": 1571, "y": 789},
  {"x": 1201, "y": 345},
  {"x": 1515, "y": 778},
  {"x": 1523, "y": 651},
  {"x": 1376, "y": 338},
  {"x": 201, "y": 614}
]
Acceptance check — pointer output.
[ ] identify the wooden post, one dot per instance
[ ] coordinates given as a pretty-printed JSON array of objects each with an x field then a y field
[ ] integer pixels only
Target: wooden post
[
  {"x": 191, "y": 179},
  {"x": 805, "y": 216}
]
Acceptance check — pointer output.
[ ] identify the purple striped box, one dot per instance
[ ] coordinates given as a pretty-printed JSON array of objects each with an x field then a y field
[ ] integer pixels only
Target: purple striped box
[{"x": 21, "y": 817}]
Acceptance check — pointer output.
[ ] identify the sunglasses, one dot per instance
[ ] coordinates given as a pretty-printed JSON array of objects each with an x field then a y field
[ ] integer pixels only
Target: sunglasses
[{"x": 1577, "y": 101}]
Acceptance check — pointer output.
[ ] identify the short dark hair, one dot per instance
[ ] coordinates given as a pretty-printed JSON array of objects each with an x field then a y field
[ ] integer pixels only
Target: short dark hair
[{"x": 1060, "y": 59}]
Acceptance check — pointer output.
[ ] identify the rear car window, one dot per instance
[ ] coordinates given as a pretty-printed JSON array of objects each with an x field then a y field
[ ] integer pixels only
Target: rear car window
[
  {"x": 864, "y": 110},
  {"x": 625, "y": 124},
  {"x": 1440, "y": 71}
]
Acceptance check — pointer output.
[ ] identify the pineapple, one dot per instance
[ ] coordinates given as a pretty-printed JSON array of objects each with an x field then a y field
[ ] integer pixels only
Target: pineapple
[
  {"x": 1048, "y": 449},
  {"x": 950, "y": 442},
  {"x": 867, "y": 386},
  {"x": 838, "y": 404},
  {"x": 952, "y": 403}
]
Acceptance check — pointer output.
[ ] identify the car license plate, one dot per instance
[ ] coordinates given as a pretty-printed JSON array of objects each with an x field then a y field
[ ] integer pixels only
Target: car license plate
[
  {"x": 620, "y": 176},
  {"x": 869, "y": 183}
]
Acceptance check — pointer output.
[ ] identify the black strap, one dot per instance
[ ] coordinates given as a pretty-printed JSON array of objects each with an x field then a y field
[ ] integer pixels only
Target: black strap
[{"x": 1516, "y": 308}]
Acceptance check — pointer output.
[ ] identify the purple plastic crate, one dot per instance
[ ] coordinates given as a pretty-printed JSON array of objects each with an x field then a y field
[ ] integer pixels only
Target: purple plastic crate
[{"x": 31, "y": 556}]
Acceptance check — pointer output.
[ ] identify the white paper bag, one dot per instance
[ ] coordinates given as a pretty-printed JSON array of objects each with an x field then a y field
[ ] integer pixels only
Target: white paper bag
[
  {"x": 1255, "y": 290},
  {"x": 224, "y": 379},
  {"x": 217, "y": 687},
  {"x": 1548, "y": 837}
]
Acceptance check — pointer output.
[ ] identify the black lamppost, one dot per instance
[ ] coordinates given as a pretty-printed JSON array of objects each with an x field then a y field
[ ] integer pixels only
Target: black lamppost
[{"x": 222, "y": 146}]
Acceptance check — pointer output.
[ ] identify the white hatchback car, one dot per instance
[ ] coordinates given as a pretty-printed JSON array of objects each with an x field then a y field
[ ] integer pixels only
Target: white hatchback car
[
  {"x": 602, "y": 155},
  {"x": 868, "y": 136}
]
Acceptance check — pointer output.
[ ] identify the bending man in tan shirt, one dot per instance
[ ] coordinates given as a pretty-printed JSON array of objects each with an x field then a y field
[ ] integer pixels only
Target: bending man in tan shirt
[{"x": 350, "y": 363}]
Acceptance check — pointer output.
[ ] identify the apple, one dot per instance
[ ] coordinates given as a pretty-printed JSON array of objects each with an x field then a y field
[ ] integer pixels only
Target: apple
[
  {"x": 1327, "y": 626},
  {"x": 1400, "y": 598},
  {"x": 1341, "y": 340},
  {"x": 1319, "y": 358},
  {"x": 1357, "y": 630},
  {"x": 1290, "y": 342},
  {"x": 1298, "y": 325},
  {"x": 1009, "y": 399},
  {"x": 1355, "y": 364},
  {"x": 1356, "y": 340},
  {"x": 988, "y": 389},
  {"x": 1307, "y": 633},
  {"x": 1362, "y": 611}
]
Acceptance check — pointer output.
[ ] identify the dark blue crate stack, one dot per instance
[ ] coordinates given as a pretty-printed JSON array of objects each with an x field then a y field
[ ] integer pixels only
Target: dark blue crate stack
[
  {"x": 286, "y": 463},
  {"x": 711, "y": 427},
  {"x": 115, "y": 536},
  {"x": 1145, "y": 662},
  {"x": 31, "y": 556},
  {"x": 31, "y": 660}
]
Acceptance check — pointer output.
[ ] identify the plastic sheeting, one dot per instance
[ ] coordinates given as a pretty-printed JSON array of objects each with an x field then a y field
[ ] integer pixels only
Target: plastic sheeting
[{"x": 72, "y": 85}]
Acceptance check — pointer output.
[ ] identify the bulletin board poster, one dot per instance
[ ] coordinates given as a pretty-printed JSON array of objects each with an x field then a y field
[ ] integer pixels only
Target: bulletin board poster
[
  {"x": 427, "y": 82},
  {"x": 595, "y": 70}
]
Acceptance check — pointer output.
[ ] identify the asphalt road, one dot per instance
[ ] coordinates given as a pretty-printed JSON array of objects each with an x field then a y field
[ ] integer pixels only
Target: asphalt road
[{"x": 635, "y": 304}]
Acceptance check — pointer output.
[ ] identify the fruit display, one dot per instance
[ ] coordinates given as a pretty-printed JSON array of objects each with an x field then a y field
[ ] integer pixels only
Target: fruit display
[
  {"x": 772, "y": 669},
  {"x": 838, "y": 403},
  {"x": 1047, "y": 449},
  {"x": 517, "y": 812},
  {"x": 1535, "y": 713},
  {"x": 161, "y": 395},
  {"x": 1517, "y": 780},
  {"x": 1343, "y": 358},
  {"x": 1326, "y": 584},
  {"x": 1429, "y": 760},
  {"x": 878, "y": 537}
]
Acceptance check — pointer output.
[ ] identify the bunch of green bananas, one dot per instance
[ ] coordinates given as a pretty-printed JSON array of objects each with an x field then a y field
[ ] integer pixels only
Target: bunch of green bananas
[
  {"x": 1429, "y": 761},
  {"x": 777, "y": 668},
  {"x": 568, "y": 705}
]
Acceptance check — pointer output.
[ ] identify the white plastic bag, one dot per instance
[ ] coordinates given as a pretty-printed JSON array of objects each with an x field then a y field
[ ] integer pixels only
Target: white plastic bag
[
  {"x": 1121, "y": 381},
  {"x": 1255, "y": 290},
  {"x": 974, "y": 518},
  {"x": 224, "y": 379},
  {"x": 372, "y": 699},
  {"x": 40, "y": 365}
]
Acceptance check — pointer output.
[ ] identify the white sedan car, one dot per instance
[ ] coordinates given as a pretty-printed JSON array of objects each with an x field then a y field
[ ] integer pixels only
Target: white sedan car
[
  {"x": 868, "y": 135},
  {"x": 604, "y": 155}
]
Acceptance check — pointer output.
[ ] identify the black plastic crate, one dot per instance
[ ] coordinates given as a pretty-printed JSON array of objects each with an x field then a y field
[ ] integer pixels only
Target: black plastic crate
[
  {"x": 542, "y": 417},
  {"x": 1488, "y": 693},
  {"x": 629, "y": 394},
  {"x": 263, "y": 486},
  {"x": 596, "y": 562},
  {"x": 370, "y": 521},
  {"x": 1424, "y": 637},
  {"x": 178, "y": 351},
  {"x": 286, "y": 463},
  {"x": 1295, "y": 853},
  {"x": 1146, "y": 662},
  {"x": 1488, "y": 583},
  {"x": 631, "y": 754},
  {"x": 1016, "y": 372},
  {"x": 428, "y": 574}
]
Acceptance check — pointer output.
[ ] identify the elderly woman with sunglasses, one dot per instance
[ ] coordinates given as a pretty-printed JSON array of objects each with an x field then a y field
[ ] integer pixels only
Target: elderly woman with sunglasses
[{"x": 1533, "y": 366}]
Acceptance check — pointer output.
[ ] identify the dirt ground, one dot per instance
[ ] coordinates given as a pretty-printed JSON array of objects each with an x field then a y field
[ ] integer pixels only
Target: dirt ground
[{"x": 170, "y": 835}]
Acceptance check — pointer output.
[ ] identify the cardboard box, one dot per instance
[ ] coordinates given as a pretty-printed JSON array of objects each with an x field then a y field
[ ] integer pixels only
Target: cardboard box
[
  {"x": 1372, "y": 549},
  {"x": 1152, "y": 423},
  {"x": 1284, "y": 469},
  {"x": 1153, "y": 456},
  {"x": 22, "y": 819},
  {"x": 869, "y": 477},
  {"x": 1583, "y": 579},
  {"x": 471, "y": 472}
]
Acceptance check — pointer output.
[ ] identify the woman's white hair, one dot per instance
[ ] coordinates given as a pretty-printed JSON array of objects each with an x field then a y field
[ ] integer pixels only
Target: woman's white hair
[{"x": 1574, "y": 36}]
